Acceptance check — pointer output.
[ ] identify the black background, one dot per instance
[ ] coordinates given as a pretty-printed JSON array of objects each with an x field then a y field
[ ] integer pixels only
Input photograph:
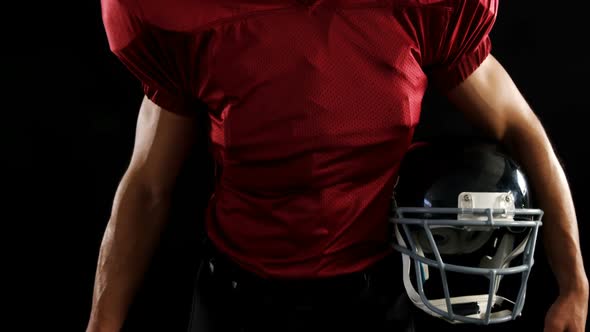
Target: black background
[{"x": 68, "y": 126}]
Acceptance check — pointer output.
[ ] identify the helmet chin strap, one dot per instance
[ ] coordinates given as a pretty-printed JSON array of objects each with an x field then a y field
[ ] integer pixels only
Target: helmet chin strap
[{"x": 472, "y": 306}]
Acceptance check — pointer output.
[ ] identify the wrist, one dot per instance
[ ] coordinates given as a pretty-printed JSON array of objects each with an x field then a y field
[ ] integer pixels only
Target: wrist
[
  {"x": 575, "y": 285},
  {"x": 101, "y": 325},
  {"x": 100, "y": 328}
]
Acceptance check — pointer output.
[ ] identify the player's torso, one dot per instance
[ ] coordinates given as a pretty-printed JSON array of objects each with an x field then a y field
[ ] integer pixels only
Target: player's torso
[{"x": 293, "y": 87}]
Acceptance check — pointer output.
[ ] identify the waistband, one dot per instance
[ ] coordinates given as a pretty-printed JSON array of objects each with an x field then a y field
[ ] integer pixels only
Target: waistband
[{"x": 222, "y": 268}]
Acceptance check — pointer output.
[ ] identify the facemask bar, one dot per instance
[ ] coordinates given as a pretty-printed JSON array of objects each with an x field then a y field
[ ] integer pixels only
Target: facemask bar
[{"x": 436, "y": 307}]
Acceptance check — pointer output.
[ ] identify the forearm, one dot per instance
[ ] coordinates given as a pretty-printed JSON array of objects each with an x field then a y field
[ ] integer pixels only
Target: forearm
[
  {"x": 129, "y": 241},
  {"x": 532, "y": 148}
]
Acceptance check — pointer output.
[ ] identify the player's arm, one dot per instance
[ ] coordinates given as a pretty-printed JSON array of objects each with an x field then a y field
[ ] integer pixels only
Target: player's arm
[
  {"x": 491, "y": 101},
  {"x": 139, "y": 212}
]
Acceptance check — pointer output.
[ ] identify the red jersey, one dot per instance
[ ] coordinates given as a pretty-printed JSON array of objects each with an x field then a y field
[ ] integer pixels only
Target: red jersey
[{"x": 312, "y": 105}]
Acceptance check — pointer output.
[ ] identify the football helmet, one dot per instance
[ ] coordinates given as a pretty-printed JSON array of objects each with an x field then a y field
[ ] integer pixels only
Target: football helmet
[{"x": 463, "y": 221}]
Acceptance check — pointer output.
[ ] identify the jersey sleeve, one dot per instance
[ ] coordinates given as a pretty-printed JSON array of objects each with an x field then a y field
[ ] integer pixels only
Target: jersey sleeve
[
  {"x": 464, "y": 44},
  {"x": 162, "y": 60}
]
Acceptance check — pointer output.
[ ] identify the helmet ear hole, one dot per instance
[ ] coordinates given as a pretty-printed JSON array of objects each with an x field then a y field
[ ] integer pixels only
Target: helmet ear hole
[
  {"x": 440, "y": 239},
  {"x": 465, "y": 226},
  {"x": 516, "y": 230}
]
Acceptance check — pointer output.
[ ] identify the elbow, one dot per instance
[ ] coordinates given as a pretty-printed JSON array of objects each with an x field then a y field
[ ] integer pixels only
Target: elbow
[
  {"x": 153, "y": 195},
  {"x": 143, "y": 192},
  {"x": 524, "y": 137},
  {"x": 521, "y": 128}
]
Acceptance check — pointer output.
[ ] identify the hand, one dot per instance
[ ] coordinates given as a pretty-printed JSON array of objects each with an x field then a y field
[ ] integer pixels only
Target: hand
[{"x": 568, "y": 313}]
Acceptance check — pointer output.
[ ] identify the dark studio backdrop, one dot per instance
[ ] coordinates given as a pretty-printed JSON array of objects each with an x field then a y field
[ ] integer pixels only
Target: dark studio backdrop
[{"x": 68, "y": 134}]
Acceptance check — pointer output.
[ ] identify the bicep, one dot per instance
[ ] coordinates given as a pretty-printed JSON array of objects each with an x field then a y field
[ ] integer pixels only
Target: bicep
[
  {"x": 491, "y": 101},
  {"x": 163, "y": 141}
]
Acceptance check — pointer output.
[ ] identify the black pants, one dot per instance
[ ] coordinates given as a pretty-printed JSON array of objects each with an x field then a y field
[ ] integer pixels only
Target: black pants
[{"x": 228, "y": 299}]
